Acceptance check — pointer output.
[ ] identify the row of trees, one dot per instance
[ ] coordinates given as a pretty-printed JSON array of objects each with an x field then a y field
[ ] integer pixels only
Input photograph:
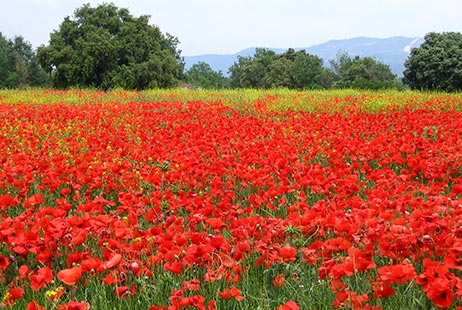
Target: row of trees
[
  {"x": 19, "y": 66},
  {"x": 296, "y": 70},
  {"x": 435, "y": 65},
  {"x": 106, "y": 47},
  {"x": 300, "y": 70},
  {"x": 266, "y": 69}
]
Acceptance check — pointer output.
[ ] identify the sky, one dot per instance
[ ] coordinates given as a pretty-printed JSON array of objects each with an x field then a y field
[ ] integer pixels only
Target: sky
[{"x": 229, "y": 26}]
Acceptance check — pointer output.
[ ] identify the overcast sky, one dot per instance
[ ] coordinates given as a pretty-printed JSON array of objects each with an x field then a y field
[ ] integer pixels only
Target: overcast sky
[{"x": 228, "y": 26}]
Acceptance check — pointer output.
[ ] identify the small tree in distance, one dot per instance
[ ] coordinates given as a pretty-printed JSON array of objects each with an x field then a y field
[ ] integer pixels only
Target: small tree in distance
[
  {"x": 361, "y": 73},
  {"x": 202, "y": 75},
  {"x": 267, "y": 69}
]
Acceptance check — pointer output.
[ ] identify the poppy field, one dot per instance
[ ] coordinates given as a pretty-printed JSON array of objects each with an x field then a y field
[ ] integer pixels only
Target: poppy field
[{"x": 191, "y": 199}]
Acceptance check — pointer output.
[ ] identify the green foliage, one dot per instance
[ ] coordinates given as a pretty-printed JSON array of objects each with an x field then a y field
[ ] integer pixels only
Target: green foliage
[
  {"x": 106, "y": 47},
  {"x": 307, "y": 71},
  {"x": 436, "y": 64},
  {"x": 248, "y": 72},
  {"x": 361, "y": 73},
  {"x": 278, "y": 74},
  {"x": 300, "y": 70},
  {"x": 202, "y": 75},
  {"x": 19, "y": 67},
  {"x": 266, "y": 69}
]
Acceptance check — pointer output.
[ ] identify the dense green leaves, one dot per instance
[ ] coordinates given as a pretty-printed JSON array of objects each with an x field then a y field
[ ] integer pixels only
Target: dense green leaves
[
  {"x": 300, "y": 70},
  {"x": 436, "y": 64},
  {"x": 361, "y": 73},
  {"x": 202, "y": 75},
  {"x": 106, "y": 47},
  {"x": 266, "y": 69},
  {"x": 19, "y": 67},
  {"x": 306, "y": 70}
]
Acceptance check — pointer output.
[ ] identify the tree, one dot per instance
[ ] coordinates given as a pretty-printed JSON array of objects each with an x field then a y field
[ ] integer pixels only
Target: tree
[
  {"x": 236, "y": 71},
  {"x": 106, "y": 47},
  {"x": 306, "y": 71},
  {"x": 5, "y": 62},
  {"x": 362, "y": 73},
  {"x": 254, "y": 69},
  {"x": 18, "y": 65},
  {"x": 202, "y": 75},
  {"x": 266, "y": 69},
  {"x": 436, "y": 64},
  {"x": 278, "y": 74},
  {"x": 340, "y": 66}
]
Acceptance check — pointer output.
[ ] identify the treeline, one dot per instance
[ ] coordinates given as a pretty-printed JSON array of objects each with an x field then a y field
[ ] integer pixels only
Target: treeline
[
  {"x": 19, "y": 66},
  {"x": 296, "y": 70},
  {"x": 435, "y": 65},
  {"x": 105, "y": 47}
]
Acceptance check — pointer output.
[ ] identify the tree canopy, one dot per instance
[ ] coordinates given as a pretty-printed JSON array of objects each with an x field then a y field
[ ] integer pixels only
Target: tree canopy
[
  {"x": 361, "y": 72},
  {"x": 300, "y": 70},
  {"x": 19, "y": 67},
  {"x": 436, "y": 64},
  {"x": 202, "y": 75},
  {"x": 266, "y": 69},
  {"x": 106, "y": 47}
]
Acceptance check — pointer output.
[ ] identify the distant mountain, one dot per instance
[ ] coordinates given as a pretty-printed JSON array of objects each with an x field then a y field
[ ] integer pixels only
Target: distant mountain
[{"x": 391, "y": 51}]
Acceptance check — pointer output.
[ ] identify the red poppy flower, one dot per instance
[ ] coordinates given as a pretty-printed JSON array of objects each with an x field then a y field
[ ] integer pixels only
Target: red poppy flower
[
  {"x": 432, "y": 270},
  {"x": 457, "y": 189},
  {"x": 231, "y": 293},
  {"x": 211, "y": 305},
  {"x": 440, "y": 292},
  {"x": 153, "y": 307},
  {"x": 4, "y": 262},
  {"x": 396, "y": 273},
  {"x": 12, "y": 295},
  {"x": 290, "y": 305},
  {"x": 279, "y": 280},
  {"x": 382, "y": 290},
  {"x": 218, "y": 242},
  {"x": 33, "y": 305},
  {"x": 112, "y": 262},
  {"x": 350, "y": 298},
  {"x": 288, "y": 253},
  {"x": 70, "y": 276},
  {"x": 179, "y": 301},
  {"x": 454, "y": 261},
  {"x": 122, "y": 291},
  {"x": 192, "y": 285},
  {"x": 215, "y": 222},
  {"x": 174, "y": 267},
  {"x": 75, "y": 305},
  {"x": 40, "y": 278},
  {"x": 24, "y": 271},
  {"x": 90, "y": 264},
  {"x": 7, "y": 201},
  {"x": 34, "y": 200}
]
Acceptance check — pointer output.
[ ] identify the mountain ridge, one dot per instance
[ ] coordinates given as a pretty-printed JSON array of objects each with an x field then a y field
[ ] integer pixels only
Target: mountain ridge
[{"x": 392, "y": 51}]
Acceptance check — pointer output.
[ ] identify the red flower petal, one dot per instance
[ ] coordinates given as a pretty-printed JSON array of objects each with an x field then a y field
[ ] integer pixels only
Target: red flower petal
[
  {"x": 112, "y": 262},
  {"x": 70, "y": 276}
]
